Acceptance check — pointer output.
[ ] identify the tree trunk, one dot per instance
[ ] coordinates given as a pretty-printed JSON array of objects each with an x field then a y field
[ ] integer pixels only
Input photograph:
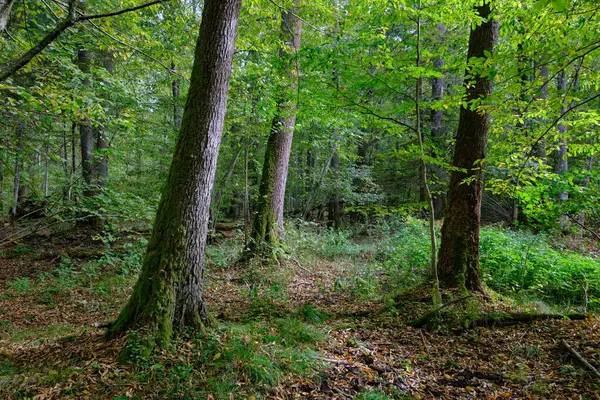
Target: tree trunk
[
  {"x": 101, "y": 165},
  {"x": 45, "y": 185},
  {"x": 176, "y": 90},
  {"x": 169, "y": 294},
  {"x": 268, "y": 221},
  {"x": 5, "y": 7},
  {"x": 437, "y": 130},
  {"x": 334, "y": 213},
  {"x": 459, "y": 253},
  {"x": 86, "y": 132},
  {"x": 20, "y": 130},
  {"x": 562, "y": 160},
  {"x": 539, "y": 149}
]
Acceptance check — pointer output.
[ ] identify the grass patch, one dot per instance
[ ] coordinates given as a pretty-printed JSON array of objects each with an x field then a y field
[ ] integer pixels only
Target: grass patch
[{"x": 249, "y": 358}]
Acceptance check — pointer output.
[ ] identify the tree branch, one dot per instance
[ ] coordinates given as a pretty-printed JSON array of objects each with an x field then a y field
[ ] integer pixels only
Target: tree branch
[{"x": 63, "y": 25}]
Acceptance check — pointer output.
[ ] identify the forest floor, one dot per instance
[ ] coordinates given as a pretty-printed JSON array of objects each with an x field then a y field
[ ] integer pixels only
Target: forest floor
[{"x": 308, "y": 331}]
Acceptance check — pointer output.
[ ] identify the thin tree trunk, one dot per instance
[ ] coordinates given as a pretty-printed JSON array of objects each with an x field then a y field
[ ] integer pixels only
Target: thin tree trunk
[
  {"x": 562, "y": 159},
  {"x": 45, "y": 186},
  {"x": 268, "y": 222},
  {"x": 459, "y": 253},
  {"x": 20, "y": 130},
  {"x": 169, "y": 294},
  {"x": 437, "y": 129},
  {"x": 334, "y": 212},
  {"x": 86, "y": 132},
  {"x": 101, "y": 165},
  {"x": 176, "y": 90},
  {"x": 437, "y": 297},
  {"x": 5, "y": 8},
  {"x": 540, "y": 148}
]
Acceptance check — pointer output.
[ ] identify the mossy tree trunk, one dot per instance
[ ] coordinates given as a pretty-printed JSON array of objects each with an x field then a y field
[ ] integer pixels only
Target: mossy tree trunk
[
  {"x": 459, "y": 254},
  {"x": 168, "y": 295},
  {"x": 267, "y": 227}
]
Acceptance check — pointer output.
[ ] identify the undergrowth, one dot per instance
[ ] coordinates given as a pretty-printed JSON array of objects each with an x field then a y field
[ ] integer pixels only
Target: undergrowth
[{"x": 249, "y": 358}]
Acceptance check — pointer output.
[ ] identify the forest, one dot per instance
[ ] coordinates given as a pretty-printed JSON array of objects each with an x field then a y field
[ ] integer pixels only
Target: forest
[{"x": 294, "y": 199}]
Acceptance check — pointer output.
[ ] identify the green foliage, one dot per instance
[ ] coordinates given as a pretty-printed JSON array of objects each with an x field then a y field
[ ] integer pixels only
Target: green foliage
[
  {"x": 220, "y": 361},
  {"x": 512, "y": 261},
  {"x": 517, "y": 263}
]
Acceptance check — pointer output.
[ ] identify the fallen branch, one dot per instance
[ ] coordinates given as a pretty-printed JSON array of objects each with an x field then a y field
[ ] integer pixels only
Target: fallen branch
[
  {"x": 582, "y": 360},
  {"x": 332, "y": 360},
  {"x": 515, "y": 318},
  {"x": 422, "y": 321},
  {"x": 585, "y": 228}
]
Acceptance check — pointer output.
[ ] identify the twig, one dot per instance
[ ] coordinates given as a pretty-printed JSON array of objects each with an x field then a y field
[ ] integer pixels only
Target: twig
[
  {"x": 588, "y": 230},
  {"x": 578, "y": 356},
  {"x": 423, "y": 340},
  {"x": 332, "y": 360},
  {"x": 60, "y": 27},
  {"x": 421, "y": 321}
]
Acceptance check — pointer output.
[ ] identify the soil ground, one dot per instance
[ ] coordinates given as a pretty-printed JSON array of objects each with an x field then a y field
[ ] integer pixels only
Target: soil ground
[{"x": 49, "y": 347}]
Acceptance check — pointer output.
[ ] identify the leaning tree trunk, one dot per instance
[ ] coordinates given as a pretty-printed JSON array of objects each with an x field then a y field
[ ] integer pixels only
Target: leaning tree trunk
[
  {"x": 459, "y": 253},
  {"x": 169, "y": 294},
  {"x": 268, "y": 221}
]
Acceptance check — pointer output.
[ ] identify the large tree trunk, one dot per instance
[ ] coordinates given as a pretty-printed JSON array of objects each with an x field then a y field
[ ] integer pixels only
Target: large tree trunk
[
  {"x": 437, "y": 130},
  {"x": 169, "y": 294},
  {"x": 459, "y": 253},
  {"x": 268, "y": 221}
]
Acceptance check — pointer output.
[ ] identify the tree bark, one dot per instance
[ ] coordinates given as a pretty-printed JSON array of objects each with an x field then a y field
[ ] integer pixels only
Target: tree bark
[
  {"x": 459, "y": 253},
  {"x": 176, "y": 90},
  {"x": 539, "y": 149},
  {"x": 334, "y": 212},
  {"x": 169, "y": 294},
  {"x": 562, "y": 160},
  {"x": 5, "y": 8},
  {"x": 20, "y": 130},
  {"x": 268, "y": 221},
  {"x": 101, "y": 165},
  {"x": 437, "y": 130},
  {"x": 86, "y": 132}
]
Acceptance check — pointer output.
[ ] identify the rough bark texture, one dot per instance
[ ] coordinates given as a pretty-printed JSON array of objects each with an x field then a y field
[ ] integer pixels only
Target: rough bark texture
[
  {"x": 268, "y": 221},
  {"x": 5, "y": 7},
  {"x": 437, "y": 130},
  {"x": 168, "y": 295},
  {"x": 459, "y": 253}
]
